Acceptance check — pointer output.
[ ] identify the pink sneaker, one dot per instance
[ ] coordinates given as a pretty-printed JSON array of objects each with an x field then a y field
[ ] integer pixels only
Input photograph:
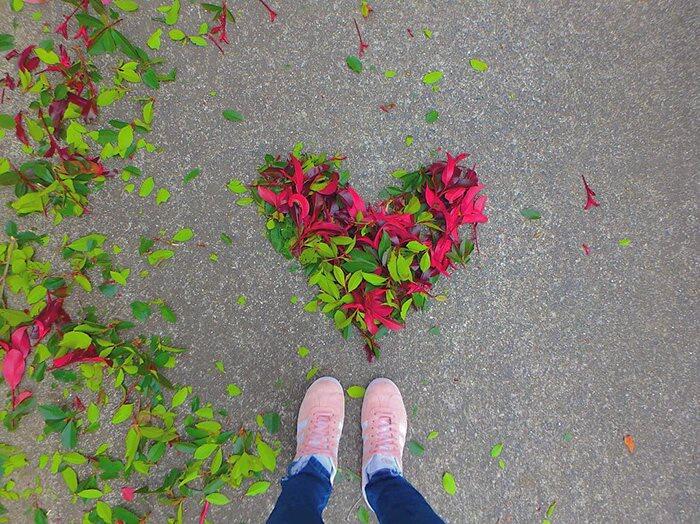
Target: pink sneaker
[
  {"x": 383, "y": 428},
  {"x": 320, "y": 421}
]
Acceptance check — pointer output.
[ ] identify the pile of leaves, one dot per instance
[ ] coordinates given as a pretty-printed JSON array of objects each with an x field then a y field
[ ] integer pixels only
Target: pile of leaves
[
  {"x": 370, "y": 263},
  {"x": 116, "y": 383}
]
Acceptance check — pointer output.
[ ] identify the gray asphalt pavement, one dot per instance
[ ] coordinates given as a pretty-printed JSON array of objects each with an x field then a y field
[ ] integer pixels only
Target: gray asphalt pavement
[{"x": 537, "y": 340}]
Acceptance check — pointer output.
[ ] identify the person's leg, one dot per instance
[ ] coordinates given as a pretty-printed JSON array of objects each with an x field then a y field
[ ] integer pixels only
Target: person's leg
[
  {"x": 386, "y": 491},
  {"x": 307, "y": 486}
]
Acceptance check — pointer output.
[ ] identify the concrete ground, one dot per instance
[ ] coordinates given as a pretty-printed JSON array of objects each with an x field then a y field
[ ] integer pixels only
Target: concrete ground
[{"x": 537, "y": 342}]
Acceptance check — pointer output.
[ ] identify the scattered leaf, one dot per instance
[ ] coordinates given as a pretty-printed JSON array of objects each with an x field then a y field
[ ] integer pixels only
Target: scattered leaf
[
  {"x": 432, "y": 77},
  {"x": 354, "y": 64},
  {"x": 356, "y": 392},
  {"x": 478, "y": 65},
  {"x": 416, "y": 448},
  {"x": 531, "y": 213},
  {"x": 233, "y": 116},
  {"x": 448, "y": 483}
]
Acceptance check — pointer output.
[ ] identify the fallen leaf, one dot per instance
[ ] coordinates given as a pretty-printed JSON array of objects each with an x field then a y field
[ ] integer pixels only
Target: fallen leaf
[
  {"x": 478, "y": 65},
  {"x": 356, "y": 392},
  {"x": 629, "y": 442},
  {"x": 448, "y": 483},
  {"x": 233, "y": 115},
  {"x": 354, "y": 64}
]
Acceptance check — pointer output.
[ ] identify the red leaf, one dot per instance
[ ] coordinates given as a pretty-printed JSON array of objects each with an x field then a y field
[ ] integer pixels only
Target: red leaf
[
  {"x": 21, "y": 398},
  {"x": 298, "y": 177},
  {"x": 590, "y": 196},
  {"x": 20, "y": 340},
  {"x": 78, "y": 356},
  {"x": 267, "y": 195},
  {"x": 50, "y": 315},
  {"x": 303, "y": 205},
  {"x": 13, "y": 368},
  {"x": 128, "y": 493},
  {"x": 586, "y": 249},
  {"x": 449, "y": 170},
  {"x": 20, "y": 133}
]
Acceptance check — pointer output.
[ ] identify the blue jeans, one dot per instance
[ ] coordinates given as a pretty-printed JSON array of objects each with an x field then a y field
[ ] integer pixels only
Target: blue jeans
[{"x": 306, "y": 492}]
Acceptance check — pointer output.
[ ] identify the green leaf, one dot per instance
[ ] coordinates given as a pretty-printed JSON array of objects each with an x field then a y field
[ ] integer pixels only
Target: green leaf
[
  {"x": 154, "y": 40},
  {"x": 496, "y": 450},
  {"x": 176, "y": 35},
  {"x": 416, "y": 448},
  {"x": 205, "y": 450},
  {"x": 162, "y": 196},
  {"x": 363, "y": 514},
  {"x": 268, "y": 457},
  {"x": 624, "y": 242},
  {"x": 478, "y": 65},
  {"x": 198, "y": 40},
  {"x": 126, "y": 5},
  {"x": 159, "y": 255},
  {"x": 75, "y": 340},
  {"x": 233, "y": 390},
  {"x": 354, "y": 64},
  {"x": 432, "y": 77},
  {"x": 389, "y": 73},
  {"x": 48, "y": 57},
  {"x": 218, "y": 499},
  {"x": 70, "y": 478},
  {"x": 140, "y": 310},
  {"x": 132, "y": 444},
  {"x": 69, "y": 435},
  {"x": 183, "y": 235},
  {"x": 167, "y": 314},
  {"x": 232, "y": 115},
  {"x": 432, "y": 435},
  {"x": 531, "y": 213},
  {"x": 191, "y": 175},
  {"x": 272, "y": 422},
  {"x": 7, "y": 42},
  {"x": 448, "y": 483},
  {"x": 104, "y": 511},
  {"x": 355, "y": 280},
  {"x": 40, "y": 515},
  {"x": 256, "y": 488},
  {"x": 373, "y": 279},
  {"x": 123, "y": 413},
  {"x": 303, "y": 351},
  {"x": 6, "y": 122},
  {"x": 356, "y": 391},
  {"x": 550, "y": 509},
  {"x": 236, "y": 186},
  {"x": 179, "y": 397},
  {"x": 90, "y": 494},
  {"x": 146, "y": 187},
  {"x": 432, "y": 116},
  {"x": 125, "y": 138}
]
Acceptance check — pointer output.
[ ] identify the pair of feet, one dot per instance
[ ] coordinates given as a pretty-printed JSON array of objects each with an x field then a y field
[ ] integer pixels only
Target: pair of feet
[{"x": 383, "y": 419}]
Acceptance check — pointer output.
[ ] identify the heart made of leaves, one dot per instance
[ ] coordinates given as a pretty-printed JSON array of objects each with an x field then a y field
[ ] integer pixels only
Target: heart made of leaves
[{"x": 370, "y": 264}]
